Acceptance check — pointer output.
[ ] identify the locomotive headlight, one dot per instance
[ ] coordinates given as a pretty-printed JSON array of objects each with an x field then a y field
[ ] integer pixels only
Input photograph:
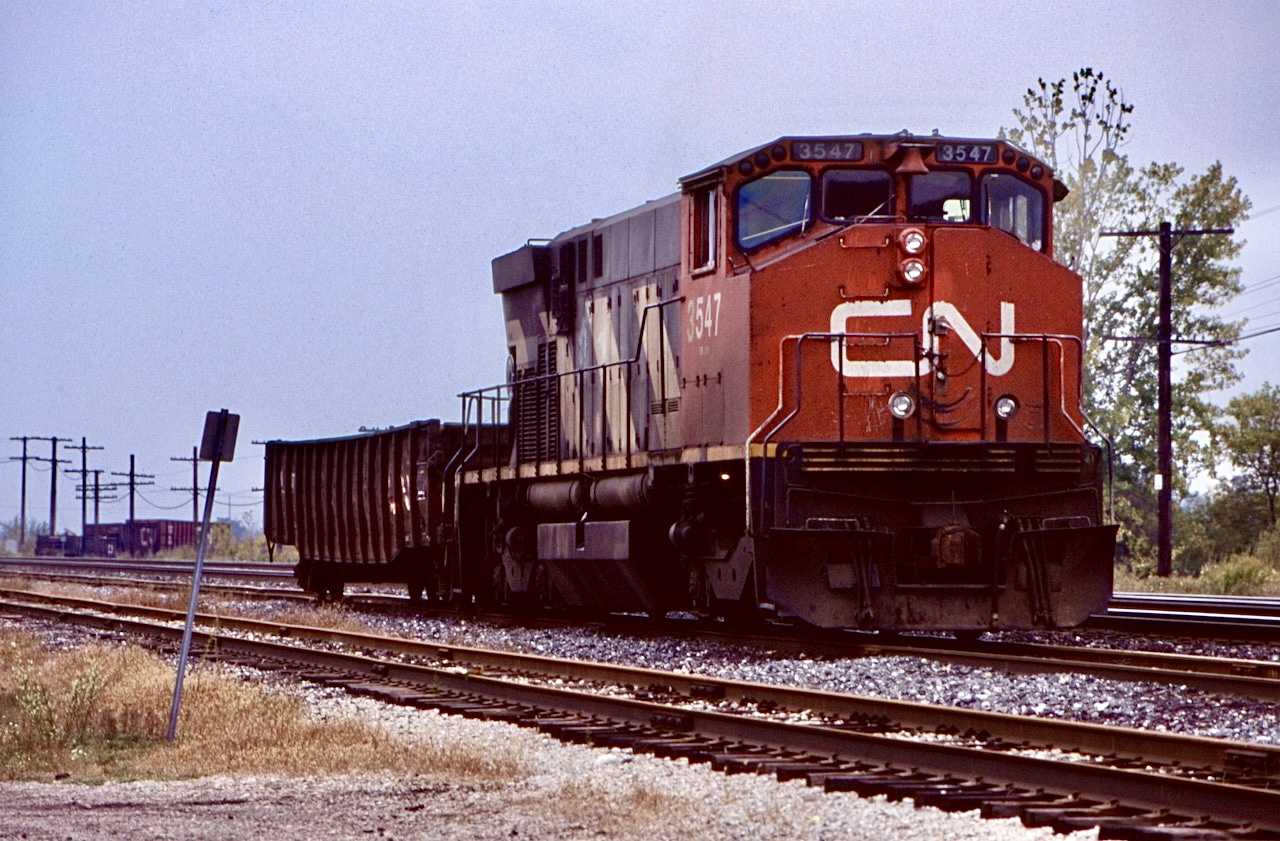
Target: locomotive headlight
[
  {"x": 1006, "y": 407},
  {"x": 912, "y": 240},
  {"x": 902, "y": 405},
  {"x": 912, "y": 270}
]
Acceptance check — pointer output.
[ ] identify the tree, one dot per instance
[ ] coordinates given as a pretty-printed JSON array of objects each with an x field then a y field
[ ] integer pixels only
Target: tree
[
  {"x": 1252, "y": 441},
  {"x": 1214, "y": 527},
  {"x": 1079, "y": 127}
]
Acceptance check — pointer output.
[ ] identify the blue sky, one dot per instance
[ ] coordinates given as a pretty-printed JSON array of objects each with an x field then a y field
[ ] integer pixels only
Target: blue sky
[{"x": 289, "y": 209}]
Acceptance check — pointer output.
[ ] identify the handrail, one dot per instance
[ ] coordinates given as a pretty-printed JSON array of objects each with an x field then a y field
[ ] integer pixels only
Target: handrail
[
  {"x": 1060, "y": 340},
  {"x": 799, "y": 339},
  {"x": 580, "y": 374},
  {"x": 771, "y": 426}
]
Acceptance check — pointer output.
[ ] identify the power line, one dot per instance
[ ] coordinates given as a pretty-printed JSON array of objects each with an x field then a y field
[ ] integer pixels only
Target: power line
[
  {"x": 1259, "y": 285},
  {"x": 98, "y": 488},
  {"x": 1227, "y": 342},
  {"x": 53, "y": 462},
  {"x": 154, "y": 504},
  {"x": 195, "y": 482}
]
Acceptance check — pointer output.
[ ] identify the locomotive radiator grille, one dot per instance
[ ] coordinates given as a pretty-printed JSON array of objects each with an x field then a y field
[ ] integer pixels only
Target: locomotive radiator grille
[{"x": 946, "y": 458}]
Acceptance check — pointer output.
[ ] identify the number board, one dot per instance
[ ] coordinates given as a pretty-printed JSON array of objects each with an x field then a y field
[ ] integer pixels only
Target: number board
[
  {"x": 966, "y": 153},
  {"x": 826, "y": 150}
]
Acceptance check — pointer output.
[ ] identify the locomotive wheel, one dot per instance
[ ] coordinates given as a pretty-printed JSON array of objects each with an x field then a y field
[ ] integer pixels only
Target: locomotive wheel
[
  {"x": 500, "y": 592},
  {"x": 544, "y": 590}
]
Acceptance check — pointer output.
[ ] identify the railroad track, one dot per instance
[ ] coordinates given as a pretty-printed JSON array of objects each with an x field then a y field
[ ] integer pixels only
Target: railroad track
[
  {"x": 1234, "y": 618},
  {"x": 1063, "y": 774},
  {"x": 1246, "y": 678},
  {"x": 233, "y": 569}
]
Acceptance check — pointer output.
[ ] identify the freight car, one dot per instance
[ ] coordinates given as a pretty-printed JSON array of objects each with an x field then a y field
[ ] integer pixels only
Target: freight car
[{"x": 832, "y": 379}]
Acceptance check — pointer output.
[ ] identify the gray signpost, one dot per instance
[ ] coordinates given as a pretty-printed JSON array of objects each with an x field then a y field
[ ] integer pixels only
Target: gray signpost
[{"x": 218, "y": 445}]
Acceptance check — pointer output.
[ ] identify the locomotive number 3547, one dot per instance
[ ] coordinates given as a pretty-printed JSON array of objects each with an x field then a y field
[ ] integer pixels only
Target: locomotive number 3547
[{"x": 704, "y": 317}]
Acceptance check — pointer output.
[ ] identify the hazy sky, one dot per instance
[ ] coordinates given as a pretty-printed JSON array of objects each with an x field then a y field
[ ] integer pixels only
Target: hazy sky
[{"x": 289, "y": 209}]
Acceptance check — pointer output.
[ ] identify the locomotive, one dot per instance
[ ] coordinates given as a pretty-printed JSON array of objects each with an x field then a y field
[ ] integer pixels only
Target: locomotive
[{"x": 833, "y": 380}]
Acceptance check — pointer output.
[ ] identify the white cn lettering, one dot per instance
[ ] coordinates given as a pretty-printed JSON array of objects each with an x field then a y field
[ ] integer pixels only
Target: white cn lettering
[
  {"x": 997, "y": 364},
  {"x": 840, "y": 318}
]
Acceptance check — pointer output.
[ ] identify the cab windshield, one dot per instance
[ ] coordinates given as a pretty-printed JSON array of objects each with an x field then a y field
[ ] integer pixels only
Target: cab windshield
[
  {"x": 850, "y": 194},
  {"x": 940, "y": 196},
  {"x": 773, "y": 206}
]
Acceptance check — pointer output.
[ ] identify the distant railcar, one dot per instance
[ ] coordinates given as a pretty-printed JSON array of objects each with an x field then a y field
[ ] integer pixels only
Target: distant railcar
[{"x": 835, "y": 379}]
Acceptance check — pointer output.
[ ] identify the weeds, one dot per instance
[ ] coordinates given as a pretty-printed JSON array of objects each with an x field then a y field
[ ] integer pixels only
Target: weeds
[
  {"x": 1239, "y": 575},
  {"x": 101, "y": 712}
]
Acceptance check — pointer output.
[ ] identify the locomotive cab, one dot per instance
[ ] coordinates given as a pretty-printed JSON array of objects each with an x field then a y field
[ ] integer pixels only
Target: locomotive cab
[{"x": 916, "y": 451}]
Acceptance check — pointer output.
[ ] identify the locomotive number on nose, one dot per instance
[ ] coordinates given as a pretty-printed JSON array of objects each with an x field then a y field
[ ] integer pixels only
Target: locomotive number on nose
[
  {"x": 704, "y": 317},
  {"x": 827, "y": 150},
  {"x": 971, "y": 153}
]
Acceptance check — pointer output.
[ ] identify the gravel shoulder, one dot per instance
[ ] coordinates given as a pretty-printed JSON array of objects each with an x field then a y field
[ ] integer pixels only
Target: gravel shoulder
[
  {"x": 569, "y": 792},
  {"x": 575, "y": 792}
]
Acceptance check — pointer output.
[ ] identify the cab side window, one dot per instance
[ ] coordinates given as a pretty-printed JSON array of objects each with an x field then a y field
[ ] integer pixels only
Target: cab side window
[
  {"x": 1014, "y": 206},
  {"x": 704, "y": 229}
]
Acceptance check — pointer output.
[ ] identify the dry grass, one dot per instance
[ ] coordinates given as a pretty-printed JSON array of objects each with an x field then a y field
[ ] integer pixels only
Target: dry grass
[
  {"x": 631, "y": 812},
  {"x": 101, "y": 712},
  {"x": 333, "y": 617}
]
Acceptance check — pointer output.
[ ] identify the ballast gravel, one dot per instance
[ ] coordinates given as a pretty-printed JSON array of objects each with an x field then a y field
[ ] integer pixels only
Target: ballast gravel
[
  {"x": 1067, "y": 696},
  {"x": 627, "y": 797},
  {"x": 659, "y": 798}
]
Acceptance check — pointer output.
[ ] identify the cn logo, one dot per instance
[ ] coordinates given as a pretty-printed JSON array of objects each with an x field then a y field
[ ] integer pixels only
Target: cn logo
[{"x": 844, "y": 319}]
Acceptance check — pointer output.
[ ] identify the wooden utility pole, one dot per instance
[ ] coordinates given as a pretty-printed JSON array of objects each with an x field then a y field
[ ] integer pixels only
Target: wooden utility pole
[
  {"x": 1164, "y": 390},
  {"x": 22, "y": 507},
  {"x": 195, "y": 484},
  {"x": 84, "y": 449},
  {"x": 54, "y": 461},
  {"x": 134, "y": 476},
  {"x": 97, "y": 490}
]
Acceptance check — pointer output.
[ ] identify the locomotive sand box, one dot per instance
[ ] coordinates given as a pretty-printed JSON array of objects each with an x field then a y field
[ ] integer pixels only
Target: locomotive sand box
[{"x": 832, "y": 379}]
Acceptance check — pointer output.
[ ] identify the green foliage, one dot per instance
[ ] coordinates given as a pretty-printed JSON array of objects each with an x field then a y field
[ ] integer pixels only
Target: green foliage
[
  {"x": 54, "y": 718},
  {"x": 1079, "y": 127},
  {"x": 1252, "y": 441},
  {"x": 1243, "y": 575},
  {"x": 1210, "y": 529},
  {"x": 1210, "y": 559}
]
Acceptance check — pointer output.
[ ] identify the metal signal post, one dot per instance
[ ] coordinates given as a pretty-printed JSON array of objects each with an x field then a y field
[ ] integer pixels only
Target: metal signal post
[{"x": 219, "y": 445}]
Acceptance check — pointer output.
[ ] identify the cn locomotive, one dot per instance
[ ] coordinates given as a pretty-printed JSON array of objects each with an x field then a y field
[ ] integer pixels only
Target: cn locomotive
[{"x": 833, "y": 380}]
